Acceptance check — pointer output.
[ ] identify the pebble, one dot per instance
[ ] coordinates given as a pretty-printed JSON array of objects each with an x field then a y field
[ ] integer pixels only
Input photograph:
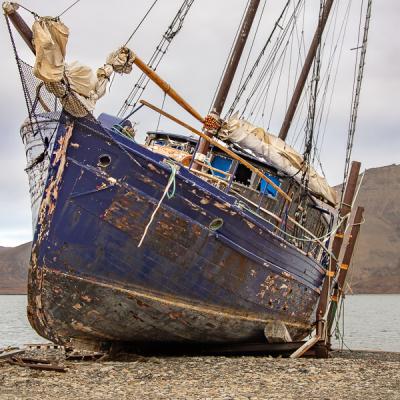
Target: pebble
[{"x": 347, "y": 375}]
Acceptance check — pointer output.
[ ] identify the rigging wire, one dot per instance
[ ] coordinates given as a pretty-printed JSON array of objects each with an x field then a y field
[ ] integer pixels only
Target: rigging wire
[
  {"x": 159, "y": 115},
  {"x": 269, "y": 65},
  {"x": 161, "y": 49},
  {"x": 357, "y": 84},
  {"x": 229, "y": 55},
  {"x": 140, "y": 22},
  {"x": 326, "y": 81},
  {"x": 243, "y": 88},
  {"x": 252, "y": 43},
  {"x": 310, "y": 124},
  {"x": 274, "y": 66},
  {"x": 68, "y": 8}
]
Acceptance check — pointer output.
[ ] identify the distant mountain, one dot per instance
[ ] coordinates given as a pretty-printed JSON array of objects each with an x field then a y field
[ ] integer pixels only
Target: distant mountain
[
  {"x": 14, "y": 263},
  {"x": 376, "y": 266}
]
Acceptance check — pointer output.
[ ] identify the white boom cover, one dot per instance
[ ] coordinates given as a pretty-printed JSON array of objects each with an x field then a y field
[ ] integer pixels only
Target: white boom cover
[{"x": 276, "y": 153}]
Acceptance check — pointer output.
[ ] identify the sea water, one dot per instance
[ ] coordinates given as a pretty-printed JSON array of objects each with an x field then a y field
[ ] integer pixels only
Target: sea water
[{"x": 371, "y": 322}]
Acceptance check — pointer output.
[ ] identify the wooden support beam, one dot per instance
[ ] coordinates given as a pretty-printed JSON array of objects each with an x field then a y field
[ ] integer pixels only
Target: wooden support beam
[
  {"x": 220, "y": 146},
  {"x": 345, "y": 265},
  {"x": 344, "y": 212},
  {"x": 305, "y": 347}
]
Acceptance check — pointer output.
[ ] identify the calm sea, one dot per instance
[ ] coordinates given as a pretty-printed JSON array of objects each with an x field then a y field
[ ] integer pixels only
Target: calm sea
[{"x": 371, "y": 322}]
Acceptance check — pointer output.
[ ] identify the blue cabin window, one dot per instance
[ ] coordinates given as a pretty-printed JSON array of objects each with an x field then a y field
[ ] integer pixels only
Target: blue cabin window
[
  {"x": 221, "y": 163},
  {"x": 266, "y": 188}
]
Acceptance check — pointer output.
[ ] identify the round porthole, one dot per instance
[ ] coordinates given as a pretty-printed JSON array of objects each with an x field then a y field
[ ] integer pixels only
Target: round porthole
[
  {"x": 104, "y": 161},
  {"x": 216, "y": 224}
]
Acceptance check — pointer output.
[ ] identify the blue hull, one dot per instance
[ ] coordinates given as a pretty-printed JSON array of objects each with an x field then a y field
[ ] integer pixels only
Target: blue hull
[{"x": 90, "y": 281}]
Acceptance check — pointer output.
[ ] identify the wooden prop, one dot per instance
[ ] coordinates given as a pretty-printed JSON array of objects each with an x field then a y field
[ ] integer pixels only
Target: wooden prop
[
  {"x": 344, "y": 212},
  {"x": 345, "y": 265}
]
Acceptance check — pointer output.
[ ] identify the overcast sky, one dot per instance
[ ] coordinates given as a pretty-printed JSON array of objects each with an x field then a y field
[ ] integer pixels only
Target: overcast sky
[{"x": 193, "y": 66}]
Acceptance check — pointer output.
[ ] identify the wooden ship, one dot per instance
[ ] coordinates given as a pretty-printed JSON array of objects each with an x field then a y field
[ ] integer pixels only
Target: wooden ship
[{"x": 228, "y": 236}]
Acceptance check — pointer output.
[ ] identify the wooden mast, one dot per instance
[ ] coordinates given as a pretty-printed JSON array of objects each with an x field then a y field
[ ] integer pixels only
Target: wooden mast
[
  {"x": 306, "y": 70},
  {"x": 10, "y": 11},
  {"x": 233, "y": 63}
]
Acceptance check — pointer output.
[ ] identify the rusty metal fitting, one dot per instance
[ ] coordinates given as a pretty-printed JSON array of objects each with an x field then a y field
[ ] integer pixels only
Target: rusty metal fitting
[{"x": 212, "y": 123}]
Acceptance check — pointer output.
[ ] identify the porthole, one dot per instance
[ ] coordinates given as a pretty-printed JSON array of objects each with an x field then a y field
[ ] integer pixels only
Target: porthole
[
  {"x": 104, "y": 161},
  {"x": 216, "y": 224}
]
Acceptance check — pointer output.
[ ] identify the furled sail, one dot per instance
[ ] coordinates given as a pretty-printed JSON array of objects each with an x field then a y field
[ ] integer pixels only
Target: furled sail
[
  {"x": 76, "y": 85},
  {"x": 276, "y": 153}
]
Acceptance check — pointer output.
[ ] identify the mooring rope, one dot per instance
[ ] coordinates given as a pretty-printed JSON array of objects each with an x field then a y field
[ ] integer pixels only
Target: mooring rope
[{"x": 167, "y": 192}]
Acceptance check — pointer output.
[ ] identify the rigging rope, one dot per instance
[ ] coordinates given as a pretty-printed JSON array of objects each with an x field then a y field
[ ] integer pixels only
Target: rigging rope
[
  {"x": 68, "y": 8},
  {"x": 229, "y": 55},
  {"x": 140, "y": 22},
  {"x": 243, "y": 88},
  {"x": 358, "y": 78},
  {"x": 161, "y": 49},
  {"x": 310, "y": 124}
]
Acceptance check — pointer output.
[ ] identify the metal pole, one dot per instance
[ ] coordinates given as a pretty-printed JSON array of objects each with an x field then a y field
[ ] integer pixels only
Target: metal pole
[
  {"x": 233, "y": 63},
  {"x": 344, "y": 212},
  {"x": 344, "y": 266},
  {"x": 305, "y": 71}
]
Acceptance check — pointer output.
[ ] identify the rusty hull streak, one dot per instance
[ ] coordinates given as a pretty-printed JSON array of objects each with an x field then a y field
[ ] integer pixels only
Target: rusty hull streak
[{"x": 181, "y": 304}]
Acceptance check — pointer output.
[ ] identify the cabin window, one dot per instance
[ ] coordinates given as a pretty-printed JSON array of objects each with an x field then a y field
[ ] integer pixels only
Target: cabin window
[
  {"x": 267, "y": 188},
  {"x": 221, "y": 163},
  {"x": 243, "y": 175}
]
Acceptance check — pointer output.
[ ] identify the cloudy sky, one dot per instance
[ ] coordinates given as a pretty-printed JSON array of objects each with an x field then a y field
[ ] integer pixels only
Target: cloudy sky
[{"x": 193, "y": 66}]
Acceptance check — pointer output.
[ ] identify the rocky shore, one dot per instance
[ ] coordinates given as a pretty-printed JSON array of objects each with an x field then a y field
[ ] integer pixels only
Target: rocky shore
[{"x": 347, "y": 375}]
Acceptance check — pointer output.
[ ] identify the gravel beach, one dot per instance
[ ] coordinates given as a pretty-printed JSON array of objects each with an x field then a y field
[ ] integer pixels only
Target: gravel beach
[{"x": 347, "y": 375}]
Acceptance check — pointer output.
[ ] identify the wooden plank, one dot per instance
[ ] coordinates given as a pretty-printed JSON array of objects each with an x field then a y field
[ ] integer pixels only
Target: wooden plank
[
  {"x": 11, "y": 353},
  {"x": 305, "y": 347}
]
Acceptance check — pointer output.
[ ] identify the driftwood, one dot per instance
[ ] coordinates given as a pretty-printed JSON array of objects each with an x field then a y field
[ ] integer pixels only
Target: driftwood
[
  {"x": 4, "y": 354},
  {"x": 32, "y": 363}
]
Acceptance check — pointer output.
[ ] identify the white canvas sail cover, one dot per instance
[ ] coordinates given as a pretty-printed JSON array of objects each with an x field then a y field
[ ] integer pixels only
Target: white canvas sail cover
[
  {"x": 276, "y": 153},
  {"x": 50, "y": 38}
]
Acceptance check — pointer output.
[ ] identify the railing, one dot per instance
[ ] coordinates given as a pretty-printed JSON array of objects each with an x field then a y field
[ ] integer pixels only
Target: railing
[{"x": 226, "y": 182}]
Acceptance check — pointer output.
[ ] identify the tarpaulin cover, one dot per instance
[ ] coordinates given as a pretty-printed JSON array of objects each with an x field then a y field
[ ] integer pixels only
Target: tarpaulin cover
[{"x": 276, "y": 153}]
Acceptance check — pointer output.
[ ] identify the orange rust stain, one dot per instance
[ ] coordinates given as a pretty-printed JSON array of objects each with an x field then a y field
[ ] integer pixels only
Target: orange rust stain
[
  {"x": 175, "y": 315},
  {"x": 222, "y": 206},
  {"x": 250, "y": 224}
]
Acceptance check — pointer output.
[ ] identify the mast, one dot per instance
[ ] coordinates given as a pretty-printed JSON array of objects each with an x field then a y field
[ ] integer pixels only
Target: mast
[
  {"x": 305, "y": 71},
  {"x": 233, "y": 63},
  {"x": 10, "y": 11}
]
